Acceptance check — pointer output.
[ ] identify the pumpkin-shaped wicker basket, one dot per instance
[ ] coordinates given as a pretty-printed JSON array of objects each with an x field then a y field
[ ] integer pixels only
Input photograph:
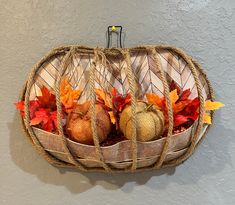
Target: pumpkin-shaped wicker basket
[{"x": 146, "y": 69}]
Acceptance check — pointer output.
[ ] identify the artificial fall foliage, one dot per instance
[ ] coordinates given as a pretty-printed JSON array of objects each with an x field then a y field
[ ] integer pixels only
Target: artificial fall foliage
[
  {"x": 114, "y": 103},
  {"x": 68, "y": 96},
  {"x": 42, "y": 110},
  {"x": 184, "y": 109}
]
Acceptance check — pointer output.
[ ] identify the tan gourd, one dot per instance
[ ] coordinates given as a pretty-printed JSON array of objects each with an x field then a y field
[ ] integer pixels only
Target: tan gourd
[{"x": 150, "y": 122}]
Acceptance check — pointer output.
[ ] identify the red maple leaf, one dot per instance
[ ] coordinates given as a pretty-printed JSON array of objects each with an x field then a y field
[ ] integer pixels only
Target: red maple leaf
[
  {"x": 42, "y": 110},
  {"x": 47, "y": 100},
  {"x": 54, "y": 118},
  {"x": 185, "y": 94},
  {"x": 174, "y": 86},
  {"x": 189, "y": 112},
  {"x": 185, "y": 110},
  {"x": 119, "y": 101},
  {"x": 33, "y": 106},
  {"x": 47, "y": 119},
  {"x": 179, "y": 120}
]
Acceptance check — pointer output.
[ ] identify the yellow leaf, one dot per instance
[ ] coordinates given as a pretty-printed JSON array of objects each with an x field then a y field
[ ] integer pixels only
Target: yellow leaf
[
  {"x": 207, "y": 118},
  {"x": 154, "y": 99},
  {"x": 174, "y": 96},
  {"x": 112, "y": 117},
  {"x": 209, "y": 105}
]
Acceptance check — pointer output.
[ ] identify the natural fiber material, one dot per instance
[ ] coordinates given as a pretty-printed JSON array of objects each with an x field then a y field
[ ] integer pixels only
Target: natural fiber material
[{"x": 101, "y": 56}]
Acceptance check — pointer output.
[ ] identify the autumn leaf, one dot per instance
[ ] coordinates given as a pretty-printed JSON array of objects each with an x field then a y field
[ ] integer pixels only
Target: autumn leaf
[
  {"x": 184, "y": 109},
  {"x": 112, "y": 117},
  {"x": 207, "y": 118},
  {"x": 33, "y": 106},
  {"x": 192, "y": 107},
  {"x": 114, "y": 92},
  {"x": 155, "y": 100},
  {"x": 209, "y": 105},
  {"x": 161, "y": 102},
  {"x": 45, "y": 118},
  {"x": 113, "y": 102},
  {"x": 20, "y": 105},
  {"x": 174, "y": 86},
  {"x": 42, "y": 110},
  {"x": 179, "y": 120},
  {"x": 174, "y": 96},
  {"x": 104, "y": 98},
  {"x": 42, "y": 116},
  {"x": 54, "y": 118},
  {"x": 178, "y": 107},
  {"x": 47, "y": 99},
  {"x": 185, "y": 94},
  {"x": 119, "y": 101},
  {"x": 68, "y": 96}
]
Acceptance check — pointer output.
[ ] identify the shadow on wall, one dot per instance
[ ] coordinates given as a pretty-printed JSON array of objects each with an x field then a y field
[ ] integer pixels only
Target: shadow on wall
[{"x": 208, "y": 161}]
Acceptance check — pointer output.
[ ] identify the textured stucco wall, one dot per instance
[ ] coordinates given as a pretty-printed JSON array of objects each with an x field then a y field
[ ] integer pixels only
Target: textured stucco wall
[{"x": 204, "y": 28}]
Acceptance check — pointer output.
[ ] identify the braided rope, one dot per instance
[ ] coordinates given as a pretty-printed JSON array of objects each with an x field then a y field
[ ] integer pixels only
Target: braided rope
[
  {"x": 192, "y": 68},
  {"x": 64, "y": 65},
  {"x": 169, "y": 108},
  {"x": 93, "y": 110},
  {"x": 131, "y": 80},
  {"x": 26, "y": 120},
  {"x": 211, "y": 93}
]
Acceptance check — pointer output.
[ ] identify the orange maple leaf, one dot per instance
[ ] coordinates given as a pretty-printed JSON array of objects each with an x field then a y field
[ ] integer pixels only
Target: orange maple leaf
[
  {"x": 68, "y": 95},
  {"x": 155, "y": 100},
  {"x": 160, "y": 102},
  {"x": 104, "y": 98}
]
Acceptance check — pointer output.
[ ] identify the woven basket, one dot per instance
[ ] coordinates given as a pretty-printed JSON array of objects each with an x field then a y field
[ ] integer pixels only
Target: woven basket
[{"x": 146, "y": 69}]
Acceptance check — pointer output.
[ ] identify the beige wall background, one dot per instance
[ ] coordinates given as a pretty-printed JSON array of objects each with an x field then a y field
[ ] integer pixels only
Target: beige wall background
[{"x": 204, "y": 28}]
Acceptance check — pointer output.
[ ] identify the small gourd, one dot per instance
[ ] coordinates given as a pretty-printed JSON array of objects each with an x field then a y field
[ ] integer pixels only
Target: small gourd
[
  {"x": 150, "y": 122},
  {"x": 79, "y": 123}
]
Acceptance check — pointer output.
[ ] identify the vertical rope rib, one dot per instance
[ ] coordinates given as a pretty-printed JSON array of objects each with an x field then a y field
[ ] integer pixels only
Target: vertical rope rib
[
  {"x": 67, "y": 60},
  {"x": 28, "y": 128},
  {"x": 201, "y": 106},
  {"x": 169, "y": 108},
  {"x": 131, "y": 80},
  {"x": 93, "y": 111}
]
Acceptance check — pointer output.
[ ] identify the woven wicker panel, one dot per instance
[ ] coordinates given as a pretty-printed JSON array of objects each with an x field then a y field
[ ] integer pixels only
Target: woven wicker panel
[{"x": 114, "y": 75}]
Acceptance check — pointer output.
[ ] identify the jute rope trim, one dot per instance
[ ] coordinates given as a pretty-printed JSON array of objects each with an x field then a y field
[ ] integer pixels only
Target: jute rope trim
[
  {"x": 64, "y": 65},
  {"x": 93, "y": 110},
  {"x": 25, "y": 96},
  {"x": 69, "y": 51},
  {"x": 131, "y": 80},
  {"x": 169, "y": 108},
  {"x": 201, "y": 106}
]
